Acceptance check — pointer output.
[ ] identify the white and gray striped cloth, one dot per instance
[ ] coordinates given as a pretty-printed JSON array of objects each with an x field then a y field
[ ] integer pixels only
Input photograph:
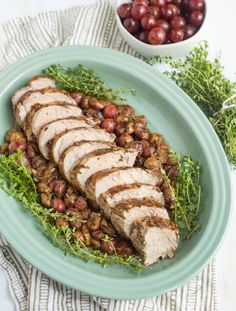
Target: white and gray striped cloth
[{"x": 30, "y": 289}]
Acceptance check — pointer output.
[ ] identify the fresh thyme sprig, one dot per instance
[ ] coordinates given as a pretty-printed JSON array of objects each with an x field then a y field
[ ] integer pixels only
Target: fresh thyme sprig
[
  {"x": 188, "y": 195},
  {"x": 15, "y": 178},
  {"x": 61, "y": 237},
  {"x": 204, "y": 81},
  {"x": 17, "y": 182},
  {"x": 83, "y": 79}
]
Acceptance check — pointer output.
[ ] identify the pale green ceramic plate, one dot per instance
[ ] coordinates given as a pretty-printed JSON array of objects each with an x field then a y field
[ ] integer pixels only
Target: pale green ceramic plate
[{"x": 170, "y": 112}]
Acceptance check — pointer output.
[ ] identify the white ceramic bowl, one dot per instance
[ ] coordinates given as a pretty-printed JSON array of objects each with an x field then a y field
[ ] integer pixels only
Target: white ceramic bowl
[{"x": 174, "y": 49}]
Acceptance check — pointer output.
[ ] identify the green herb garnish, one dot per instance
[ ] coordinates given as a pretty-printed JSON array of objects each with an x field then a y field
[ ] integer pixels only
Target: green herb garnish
[
  {"x": 83, "y": 79},
  {"x": 17, "y": 182},
  {"x": 204, "y": 81},
  {"x": 188, "y": 194}
]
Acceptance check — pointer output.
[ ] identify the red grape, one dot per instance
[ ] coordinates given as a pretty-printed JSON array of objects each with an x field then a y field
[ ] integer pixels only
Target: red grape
[
  {"x": 110, "y": 111},
  {"x": 143, "y": 2},
  {"x": 124, "y": 139},
  {"x": 163, "y": 24},
  {"x": 155, "y": 11},
  {"x": 196, "y": 5},
  {"x": 189, "y": 31},
  {"x": 158, "y": 3},
  {"x": 16, "y": 145},
  {"x": 166, "y": 13},
  {"x": 58, "y": 205},
  {"x": 157, "y": 35},
  {"x": 60, "y": 188},
  {"x": 148, "y": 21},
  {"x": 148, "y": 151},
  {"x": 196, "y": 18},
  {"x": 131, "y": 25},
  {"x": 177, "y": 2},
  {"x": 174, "y": 9},
  {"x": 143, "y": 36},
  {"x": 138, "y": 11},
  {"x": 169, "y": 11},
  {"x": 124, "y": 10},
  {"x": 158, "y": 22},
  {"x": 108, "y": 125},
  {"x": 80, "y": 204},
  {"x": 177, "y": 22},
  {"x": 176, "y": 35}
]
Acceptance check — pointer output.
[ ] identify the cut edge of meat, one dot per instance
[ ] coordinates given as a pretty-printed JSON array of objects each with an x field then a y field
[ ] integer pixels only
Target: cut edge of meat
[
  {"x": 31, "y": 87},
  {"x": 57, "y": 137},
  {"x": 18, "y": 95},
  {"x": 31, "y": 115},
  {"x": 90, "y": 184},
  {"x": 107, "y": 199},
  {"x": 76, "y": 145},
  {"x": 124, "y": 214},
  {"x": 23, "y": 102},
  {"x": 42, "y": 142},
  {"x": 147, "y": 231},
  {"x": 32, "y": 81},
  {"x": 124, "y": 158}
]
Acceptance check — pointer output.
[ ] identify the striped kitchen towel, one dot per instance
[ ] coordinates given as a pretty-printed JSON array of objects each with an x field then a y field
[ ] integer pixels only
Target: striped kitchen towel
[{"x": 30, "y": 289}]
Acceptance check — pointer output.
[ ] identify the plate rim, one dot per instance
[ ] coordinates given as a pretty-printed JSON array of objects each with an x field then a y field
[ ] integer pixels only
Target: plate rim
[{"x": 142, "y": 289}]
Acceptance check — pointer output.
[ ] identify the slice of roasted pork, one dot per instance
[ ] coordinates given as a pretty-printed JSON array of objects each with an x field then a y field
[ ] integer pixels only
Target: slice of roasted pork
[
  {"x": 36, "y": 83},
  {"x": 43, "y": 97},
  {"x": 18, "y": 94},
  {"x": 126, "y": 212},
  {"x": 72, "y": 155},
  {"x": 50, "y": 130},
  {"x": 98, "y": 161},
  {"x": 67, "y": 138},
  {"x": 125, "y": 192},
  {"x": 155, "y": 238},
  {"x": 102, "y": 181},
  {"x": 41, "y": 82},
  {"x": 41, "y": 115}
]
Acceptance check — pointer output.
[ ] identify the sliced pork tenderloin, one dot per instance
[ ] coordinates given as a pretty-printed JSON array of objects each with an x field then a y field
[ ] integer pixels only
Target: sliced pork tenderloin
[
  {"x": 41, "y": 82},
  {"x": 18, "y": 94},
  {"x": 43, "y": 97},
  {"x": 42, "y": 115},
  {"x": 155, "y": 238},
  {"x": 72, "y": 155},
  {"x": 100, "y": 182},
  {"x": 36, "y": 83},
  {"x": 50, "y": 130},
  {"x": 98, "y": 161},
  {"x": 67, "y": 138},
  {"x": 126, "y": 212},
  {"x": 119, "y": 193}
]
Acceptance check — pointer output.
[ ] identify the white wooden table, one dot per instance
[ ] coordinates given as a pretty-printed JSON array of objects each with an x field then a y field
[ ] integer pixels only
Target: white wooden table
[{"x": 221, "y": 37}]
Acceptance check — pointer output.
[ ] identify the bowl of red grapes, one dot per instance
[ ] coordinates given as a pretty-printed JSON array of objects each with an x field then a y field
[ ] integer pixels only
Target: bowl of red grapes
[{"x": 161, "y": 27}]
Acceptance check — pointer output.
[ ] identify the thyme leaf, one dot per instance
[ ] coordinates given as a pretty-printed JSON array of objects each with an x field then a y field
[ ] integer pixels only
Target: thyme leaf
[
  {"x": 17, "y": 182},
  {"x": 83, "y": 79},
  {"x": 204, "y": 81},
  {"x": 188, "y": 195}
]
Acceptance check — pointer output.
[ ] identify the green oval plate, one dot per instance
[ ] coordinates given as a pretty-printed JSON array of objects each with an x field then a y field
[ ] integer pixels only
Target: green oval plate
[{"x": 185, "y": 127}]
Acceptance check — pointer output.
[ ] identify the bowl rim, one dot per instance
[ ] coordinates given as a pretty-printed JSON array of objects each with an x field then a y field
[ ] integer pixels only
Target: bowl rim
[
  {"x": 161, "y": 46},
  {"x": 157, "y": 283}
]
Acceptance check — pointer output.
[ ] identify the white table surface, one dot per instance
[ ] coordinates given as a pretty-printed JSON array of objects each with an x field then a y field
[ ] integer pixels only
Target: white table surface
[{"x": 221, "y": 37}]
